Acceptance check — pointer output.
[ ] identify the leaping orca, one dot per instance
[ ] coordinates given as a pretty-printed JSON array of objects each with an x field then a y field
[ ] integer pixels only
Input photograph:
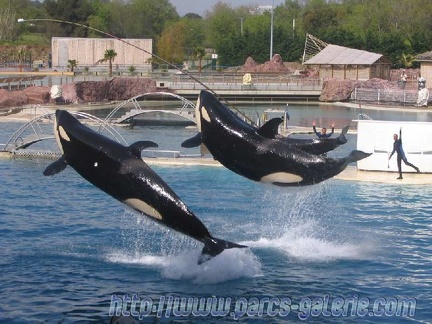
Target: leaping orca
[
  {"x": 121, "y": 173},
  {"x": 256, "y": 153}
]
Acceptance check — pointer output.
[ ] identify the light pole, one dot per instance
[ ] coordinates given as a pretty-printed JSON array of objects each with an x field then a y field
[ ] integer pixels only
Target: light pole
[{"x": 271, "y": 32}]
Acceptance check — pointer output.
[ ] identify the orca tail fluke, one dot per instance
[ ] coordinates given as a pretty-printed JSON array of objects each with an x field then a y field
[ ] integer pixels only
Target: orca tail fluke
[
  {"x": 342, "y": 138},
  {"x": 357, "y": 156},
  {"x": 213, "y": 247}
]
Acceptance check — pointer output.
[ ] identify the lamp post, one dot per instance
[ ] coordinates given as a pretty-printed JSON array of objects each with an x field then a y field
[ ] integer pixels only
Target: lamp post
[{"x": 271, "y": 32}]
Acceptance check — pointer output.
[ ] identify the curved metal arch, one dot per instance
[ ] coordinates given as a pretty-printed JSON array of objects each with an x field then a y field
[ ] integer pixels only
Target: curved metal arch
[
  {"x": 134, "y": 113},
  {"x": 186, "y": 103},
  {"x": 18, "y": 141}
]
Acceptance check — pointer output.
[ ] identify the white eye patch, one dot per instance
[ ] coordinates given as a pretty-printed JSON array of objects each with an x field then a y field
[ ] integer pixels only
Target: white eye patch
[
  {"x": 204, "y": 114},
  {"x": 63, "y": 134}
]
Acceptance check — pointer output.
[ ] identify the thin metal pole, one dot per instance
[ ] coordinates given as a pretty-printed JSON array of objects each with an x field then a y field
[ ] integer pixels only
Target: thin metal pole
[{"x": 271, "y": 32}]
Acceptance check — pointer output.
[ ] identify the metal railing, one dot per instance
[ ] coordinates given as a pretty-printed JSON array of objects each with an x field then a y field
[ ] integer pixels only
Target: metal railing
[{"x": 405, "y": 97}]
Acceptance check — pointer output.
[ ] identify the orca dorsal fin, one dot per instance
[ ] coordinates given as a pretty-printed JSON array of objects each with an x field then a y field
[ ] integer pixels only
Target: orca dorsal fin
[
  {"x": 270, "y": 128},
  {"x": 55, "y": 167},
  {"x": 193, "y": 141},
  {"x": 137, "y": 147}
]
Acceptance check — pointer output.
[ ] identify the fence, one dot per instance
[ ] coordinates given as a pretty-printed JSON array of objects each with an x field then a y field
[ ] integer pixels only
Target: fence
[{"x": 405, "y": 97}]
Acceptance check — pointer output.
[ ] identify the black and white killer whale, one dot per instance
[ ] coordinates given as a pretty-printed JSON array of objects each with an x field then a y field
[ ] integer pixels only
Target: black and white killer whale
[
  {"x": 120, "y": 172},
  {"x": 313, "y": 146},
  {"x": 255, "y": 153}
]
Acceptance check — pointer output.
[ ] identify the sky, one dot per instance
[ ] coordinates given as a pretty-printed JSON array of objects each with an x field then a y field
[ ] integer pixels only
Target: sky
[{"x": 201, "y": 6}]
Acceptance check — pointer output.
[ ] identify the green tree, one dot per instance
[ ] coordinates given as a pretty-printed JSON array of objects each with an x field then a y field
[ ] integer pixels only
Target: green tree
[
  {"x": 140, "y": 18},
  {"x": 77, "y": 11},
  {"x": 170, "y": 45},
  {"x": 222, "y": 24},
  {"x": 8, "y": 26},
  {"x": 21, "y": 55},
  {"x": 199, "y": 53},
  {"x": 109, "y": 57},
  {"x": 99, "y": 19},
  {"x": 407, "y": 60},
  {"x": 72, "y": 64}
]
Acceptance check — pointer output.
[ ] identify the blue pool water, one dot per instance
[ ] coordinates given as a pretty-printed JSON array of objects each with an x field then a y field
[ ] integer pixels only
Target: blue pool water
[{"x": 339, "y": 251}]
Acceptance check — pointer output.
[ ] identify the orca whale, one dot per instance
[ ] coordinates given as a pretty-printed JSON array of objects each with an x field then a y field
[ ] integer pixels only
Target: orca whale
[
  {"x": 258, "y": 154},
  {"x": 120, "y": 172}
]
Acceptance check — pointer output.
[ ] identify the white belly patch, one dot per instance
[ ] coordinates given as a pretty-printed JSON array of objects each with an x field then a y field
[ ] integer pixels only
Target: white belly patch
[
  {"x": 143, "y": 207},
  {"x": 281, "y": 177}
]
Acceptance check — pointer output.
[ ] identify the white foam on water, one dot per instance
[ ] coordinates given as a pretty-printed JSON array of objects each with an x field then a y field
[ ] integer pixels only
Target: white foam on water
[
  {"x": 153, "y": 261},
  {"x": 297, "y": 225},
  {"x": 302, "y": 244},
  {"x": 229, "y": 265}
]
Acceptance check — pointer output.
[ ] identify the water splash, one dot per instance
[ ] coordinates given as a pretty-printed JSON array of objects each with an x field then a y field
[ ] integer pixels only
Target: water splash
[
  {"x": 297, "y": 225},
  {"x": 176, "y": 255}
]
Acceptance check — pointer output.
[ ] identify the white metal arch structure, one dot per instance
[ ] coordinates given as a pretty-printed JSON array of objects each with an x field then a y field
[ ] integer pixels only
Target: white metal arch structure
[
  {"x": 187, "y": 107},
  {"x": 21, "y": 140}
]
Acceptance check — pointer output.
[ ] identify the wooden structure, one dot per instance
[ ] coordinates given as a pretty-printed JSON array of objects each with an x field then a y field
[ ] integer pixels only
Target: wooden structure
[
  {"x": 425, "y": 60},
  {"x": 341, "y": 62}
]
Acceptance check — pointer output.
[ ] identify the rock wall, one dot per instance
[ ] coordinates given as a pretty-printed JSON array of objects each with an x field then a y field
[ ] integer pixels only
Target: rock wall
[
  {"x": 340, "y": 89},
  {"x": 120, "y": 88}
]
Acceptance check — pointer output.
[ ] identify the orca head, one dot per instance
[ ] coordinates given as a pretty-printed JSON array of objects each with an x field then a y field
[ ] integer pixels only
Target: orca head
[
  {"x": 81, "y": 145},
  {"x": 212, "y": 112},
  {"x": 64, "y": 125}
]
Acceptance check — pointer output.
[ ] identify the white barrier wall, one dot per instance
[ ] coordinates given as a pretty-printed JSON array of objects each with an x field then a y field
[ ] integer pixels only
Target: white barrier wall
[
  {"x": 87, "y": 51},
  {"x": 377, "y": 137}
]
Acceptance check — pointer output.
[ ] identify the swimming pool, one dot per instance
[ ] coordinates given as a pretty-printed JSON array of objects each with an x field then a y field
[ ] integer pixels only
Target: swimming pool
[{"x": 337, "y": 251}]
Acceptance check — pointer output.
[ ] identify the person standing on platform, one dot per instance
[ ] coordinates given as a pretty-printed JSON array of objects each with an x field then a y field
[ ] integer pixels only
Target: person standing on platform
[
  {"x": 323, "y": 133},
  {"x": 403, "y": 79},
  {"x": 397, "y": 147}
]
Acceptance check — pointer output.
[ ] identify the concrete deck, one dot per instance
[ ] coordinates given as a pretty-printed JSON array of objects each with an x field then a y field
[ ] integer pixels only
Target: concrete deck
[{"x": 349, "y": 174}]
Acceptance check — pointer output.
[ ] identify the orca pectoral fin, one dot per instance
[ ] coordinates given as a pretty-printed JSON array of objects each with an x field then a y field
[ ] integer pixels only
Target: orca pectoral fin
[
  {"x": 55, "y": 167},
  {"x": 213, "y": 247},
  {"x": 137, "y": 147},
  {"x": 193, "y": 141},
  {"x": 270, "y": 128}
]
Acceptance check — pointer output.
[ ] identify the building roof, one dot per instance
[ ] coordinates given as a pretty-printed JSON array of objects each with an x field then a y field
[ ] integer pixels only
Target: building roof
[
  {"x": 339, "y": 55},
  {"x": 427, "y": 56}
]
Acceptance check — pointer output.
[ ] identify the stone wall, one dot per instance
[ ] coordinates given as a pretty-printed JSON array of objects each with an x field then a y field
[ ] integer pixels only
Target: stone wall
[{"x": 121, "y": 88}]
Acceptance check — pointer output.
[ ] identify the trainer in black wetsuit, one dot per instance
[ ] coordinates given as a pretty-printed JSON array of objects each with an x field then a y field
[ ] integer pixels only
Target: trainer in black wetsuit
[
  {"x": 323, "y": 133},
  {"x": 397, "y": 147}
]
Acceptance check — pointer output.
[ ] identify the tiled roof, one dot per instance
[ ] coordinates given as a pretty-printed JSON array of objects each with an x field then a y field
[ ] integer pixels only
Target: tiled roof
[
  {"x": 339, "y": 55},
  {"x": 427, "y": 56}
]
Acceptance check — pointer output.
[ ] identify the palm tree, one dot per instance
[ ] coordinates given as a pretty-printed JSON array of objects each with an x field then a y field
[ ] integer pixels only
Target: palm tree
[
  {"x": 21, "y": 55},
  {"x": 407, "y": 60},
  {"x": 109, "y": 56},
  {"x": 199, "y": 53},
  {"x": 72, "y": 64}
]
